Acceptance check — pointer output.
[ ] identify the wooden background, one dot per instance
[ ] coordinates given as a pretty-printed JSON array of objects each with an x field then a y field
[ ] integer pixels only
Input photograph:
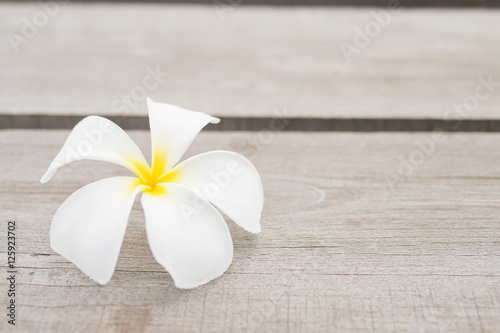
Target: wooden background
[{"x": 342, "y": 248}]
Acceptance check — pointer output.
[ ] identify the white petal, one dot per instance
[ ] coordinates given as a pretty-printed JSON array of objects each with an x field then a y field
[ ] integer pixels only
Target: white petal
[
  {"x": 97, "y": 138},
  {"x": 187, "y": 235},
  {"x": 172, "y": 131},
  {"x": 88, "y": 228},
  {"x": 229, "y": 181}
]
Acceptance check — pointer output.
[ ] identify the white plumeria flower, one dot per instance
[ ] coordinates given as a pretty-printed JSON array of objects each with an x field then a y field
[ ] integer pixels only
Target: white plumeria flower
[{"x": 187, "y": 235}]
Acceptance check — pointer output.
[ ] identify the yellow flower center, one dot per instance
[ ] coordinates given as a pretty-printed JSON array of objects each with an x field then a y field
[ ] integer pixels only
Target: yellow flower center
[{"x": 155, "y": 175}]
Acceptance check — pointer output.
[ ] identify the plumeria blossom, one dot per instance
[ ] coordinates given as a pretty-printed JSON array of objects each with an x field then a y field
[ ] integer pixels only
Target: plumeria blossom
[{"x": 186, "y": 233}]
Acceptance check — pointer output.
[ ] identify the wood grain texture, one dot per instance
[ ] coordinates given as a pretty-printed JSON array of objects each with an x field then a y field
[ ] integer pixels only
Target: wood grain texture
[
  {"x": 364, "y": 3},
  {"x": 249, "y": 61},
  {"x": 340, "y": 250}
]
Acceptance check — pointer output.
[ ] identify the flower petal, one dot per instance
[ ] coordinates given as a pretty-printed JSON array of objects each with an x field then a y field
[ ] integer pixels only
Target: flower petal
[
  {"x": 226, "y": 179},
  {"x": 88, "y": 228},
  {"x": 97, "y": 138},
  {"x": 172, "y": 131},
  {"x": 187, "y": 235}
]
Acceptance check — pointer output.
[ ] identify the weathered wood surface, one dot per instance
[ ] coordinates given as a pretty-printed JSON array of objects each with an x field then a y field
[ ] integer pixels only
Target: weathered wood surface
[
  {"x": 248, "y": 61},
  {"x": 340, "y": 250},
  {"x": 364, "y": 3}
]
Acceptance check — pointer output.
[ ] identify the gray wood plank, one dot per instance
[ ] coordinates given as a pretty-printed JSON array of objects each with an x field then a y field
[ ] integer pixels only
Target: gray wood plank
[
  {"x": 249, "y": 61},
  {"x": 341, "y": 249},
  {"x": 364, "y": 3}
]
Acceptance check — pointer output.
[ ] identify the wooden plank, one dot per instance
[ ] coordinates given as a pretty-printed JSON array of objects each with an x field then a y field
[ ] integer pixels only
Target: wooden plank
[
  {"x": 364, "y": 3},
  {"x": 249, "y": 61},
  {"x": 340, "y": 250}
]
